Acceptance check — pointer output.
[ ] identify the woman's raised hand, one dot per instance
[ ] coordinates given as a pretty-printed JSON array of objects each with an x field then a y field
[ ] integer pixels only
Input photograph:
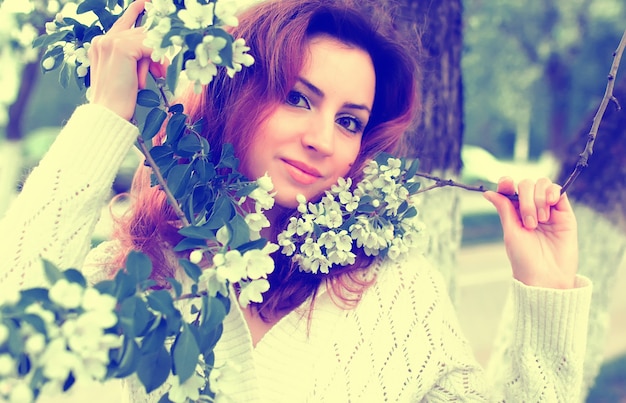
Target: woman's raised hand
[
  {"x": 120, "y": 63},
  {"x": 540, "y": 232}
]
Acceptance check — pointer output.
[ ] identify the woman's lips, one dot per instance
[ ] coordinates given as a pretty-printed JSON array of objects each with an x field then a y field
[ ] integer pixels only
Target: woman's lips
[{"x": 302, "y": 173}]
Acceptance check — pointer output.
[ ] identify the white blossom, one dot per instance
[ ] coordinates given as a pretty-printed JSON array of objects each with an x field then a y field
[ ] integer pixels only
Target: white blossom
[
  {"x": 21, "y": 393},
  {"x": 240, "y": 57},
  {"x": 226, "y": 11},
  {"x": 154, "y": 39},
  {"x": 66, "y": 294},
  {"x": 190, "y": 389},
  {"x": 230, "y": 266},
  {"x": 196, "y": 15},
  {"x": 252, "y": 291},
  {"x": 158, "y": 9}
]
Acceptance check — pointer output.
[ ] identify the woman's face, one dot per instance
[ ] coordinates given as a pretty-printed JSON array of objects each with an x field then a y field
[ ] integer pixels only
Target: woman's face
[{"x": 314, "y": 136}]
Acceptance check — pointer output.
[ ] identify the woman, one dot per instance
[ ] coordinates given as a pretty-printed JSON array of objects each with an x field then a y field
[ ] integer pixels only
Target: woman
[{"x": 329, "y": 89}]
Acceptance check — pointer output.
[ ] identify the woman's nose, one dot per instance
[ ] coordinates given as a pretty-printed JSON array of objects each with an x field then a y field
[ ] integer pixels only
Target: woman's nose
[{"x": 319, "y": 136}]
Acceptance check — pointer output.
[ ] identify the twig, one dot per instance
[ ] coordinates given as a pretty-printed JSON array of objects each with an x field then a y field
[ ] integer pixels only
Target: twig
[
  {"x": 608, "y": 96},
  {"x": 162, "y": 182},
  {"x": 584, "y": 156},
  {"x": 449, "y": 182}
]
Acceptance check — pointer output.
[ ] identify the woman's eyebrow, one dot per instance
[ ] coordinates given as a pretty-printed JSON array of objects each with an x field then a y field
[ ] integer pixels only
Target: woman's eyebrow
[{"x": 318, "y": 92}]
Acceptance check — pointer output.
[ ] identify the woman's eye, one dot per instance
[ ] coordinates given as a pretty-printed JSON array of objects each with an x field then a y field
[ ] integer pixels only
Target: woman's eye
[
  {"x": 295, "y": 98},
  {"x": 350, "y": 123}
]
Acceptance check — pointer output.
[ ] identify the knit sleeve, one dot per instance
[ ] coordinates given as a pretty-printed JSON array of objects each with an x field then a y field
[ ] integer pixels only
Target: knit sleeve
[
  {"x": 543, "y": 340},
  {"x": 55, "y": 213},
  {"x": 542, "y": 360}
]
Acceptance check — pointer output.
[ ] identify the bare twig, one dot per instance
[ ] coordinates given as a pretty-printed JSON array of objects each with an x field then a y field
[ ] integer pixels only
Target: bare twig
[
  {"x": 608, "y": 97},
  {"x": 584, "y": 156},
  {"x": 449, "y": 182}
]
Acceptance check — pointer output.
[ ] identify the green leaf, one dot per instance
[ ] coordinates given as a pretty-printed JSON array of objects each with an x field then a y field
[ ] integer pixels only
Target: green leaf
[
  {"x": 154, "y": 368},
  {"x": 201, "y": 233},
  {"x": 36, "y": 322},
  {"x": 155, "y": 338},
  {"x": 106, "y": 287},
  {"x": 191, "y": 243},
  {"x": 134, "y": 316},
  {"x": 227, "y": 159},
  {"x": 153, "y": 123},
  {"x": 125, "y": 286},
  {"x": 413, "y": 187},
  {"x": 106, "y": 18},
  {"x": 138, "y": 266},
  {"x": 148, "y": 98},
  {"x": 59, "y": 36},
  {"x": 90, "y": 5},
  {"x": 239, "y": 232},
  {"x": 32, "y": 295},
  {"x": 222, "y": 213},
  {"x": 411, "y": 212},
  {"x": 192, "y": 270},
  {"x": 74, "y": 276},
  {"x": 53, "y": 274},
  {"x": 128, "y": 358},
  {"x": 410, "y": 173},
  {"x": 173, "y": 72},
  {"x": 365, "y": 208},
  {"x": 161, "y": 301},
  {"x": 189, "y": 144},
  {"x": 382, "y": 158},
  {"x": 178, "y": 179},
  {"x": 176, "y": 285},
  {"x": 176, "y": 108},
  {"x": 176, "y": 128},
  {"x": 185, "y": 352},
  {"x": 65, "y": 75},
  {"x": 214, "y": 311},
  {"x": 256, "y": 244}
]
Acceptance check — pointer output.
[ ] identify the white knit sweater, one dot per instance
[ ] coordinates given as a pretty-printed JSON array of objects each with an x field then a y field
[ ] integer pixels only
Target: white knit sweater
[{"x": 402, "y": 342}]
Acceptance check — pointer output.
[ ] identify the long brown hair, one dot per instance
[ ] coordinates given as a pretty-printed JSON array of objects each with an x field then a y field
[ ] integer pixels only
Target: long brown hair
[{"x": 277, "y": 32}]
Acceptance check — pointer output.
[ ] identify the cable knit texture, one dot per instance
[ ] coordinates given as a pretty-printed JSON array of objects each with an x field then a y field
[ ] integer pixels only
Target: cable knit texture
[{"x": 402, "y": 342}]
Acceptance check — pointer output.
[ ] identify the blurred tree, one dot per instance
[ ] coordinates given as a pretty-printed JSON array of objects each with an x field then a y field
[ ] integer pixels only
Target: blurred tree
[
  {"x": 524, "y": 63},
  {"x": 20, "y": 24},
  {"x": 437, "y": 137},
  {"x": 599, "y": 199}
]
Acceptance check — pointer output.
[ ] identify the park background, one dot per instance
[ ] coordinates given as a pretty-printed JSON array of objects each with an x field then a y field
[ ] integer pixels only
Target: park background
[{"x": 509, "y": 89}]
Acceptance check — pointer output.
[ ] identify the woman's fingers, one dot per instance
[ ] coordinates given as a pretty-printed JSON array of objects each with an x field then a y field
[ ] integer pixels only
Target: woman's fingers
[{"x": 129, "y": 18}]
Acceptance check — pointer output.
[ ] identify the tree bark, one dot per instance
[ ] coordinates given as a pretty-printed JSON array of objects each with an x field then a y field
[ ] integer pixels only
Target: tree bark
[{"x": 437, "y": 136}]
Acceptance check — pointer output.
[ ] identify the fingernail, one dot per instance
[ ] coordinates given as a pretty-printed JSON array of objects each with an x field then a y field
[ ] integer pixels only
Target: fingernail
[
  {"x": 543, "y": 215},
  {"x": 529, "y": 221}
]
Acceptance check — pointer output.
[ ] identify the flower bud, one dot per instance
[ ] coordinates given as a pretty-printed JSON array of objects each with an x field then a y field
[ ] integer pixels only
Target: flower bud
[
  {"x": 195, "y": 256},
  {"x": 51, "y": 27},
  {"x": 59, "y": 18},
  {"x": 81, "y": 71},
  {"x": 48, "y": 63}
]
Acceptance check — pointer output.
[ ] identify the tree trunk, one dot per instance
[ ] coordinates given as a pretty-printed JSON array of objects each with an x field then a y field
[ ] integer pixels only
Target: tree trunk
[
  {"x": 436, "y": 140},
  {"x": 599, "y": 199}
]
